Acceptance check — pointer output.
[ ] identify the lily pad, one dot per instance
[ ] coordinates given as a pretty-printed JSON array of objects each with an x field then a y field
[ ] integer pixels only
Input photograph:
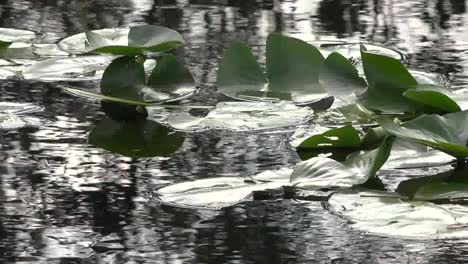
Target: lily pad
[
  {"x": 387, "y": 79},
  {"x": 122, "y": 41},
  {"x": 292, "y": 70},
  {"x": 217, "y": 193},
  {"x": 321, "y": 172},
  {"x": 85, "y": 68},
  {"x": 76, "y": 44},
  {"x": 340, "y": 142},
  {"x": 341, "y": 79},
  {"x": 384, "y": 213},
  {"x": 435, "y": 97},
  {"x": 446, "y": 133},
  {"x": 16, "y": 35},
  {"x": 135, "y": 138},
  {"x": 353, "y": 50},
  {"x": 243, "y": 116},
  {"x": 169, "y": 80}
]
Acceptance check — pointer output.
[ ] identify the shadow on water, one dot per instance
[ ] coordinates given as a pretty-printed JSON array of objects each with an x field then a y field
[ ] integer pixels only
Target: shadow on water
[{"x": 62, "y": 200}]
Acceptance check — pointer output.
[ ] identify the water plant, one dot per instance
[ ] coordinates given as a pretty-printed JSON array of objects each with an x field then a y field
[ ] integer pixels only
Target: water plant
[{"x": 337, "y": 164}]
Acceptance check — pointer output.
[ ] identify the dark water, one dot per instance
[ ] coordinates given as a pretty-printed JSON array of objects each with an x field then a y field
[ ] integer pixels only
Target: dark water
[{"x": 63, "y": 201}]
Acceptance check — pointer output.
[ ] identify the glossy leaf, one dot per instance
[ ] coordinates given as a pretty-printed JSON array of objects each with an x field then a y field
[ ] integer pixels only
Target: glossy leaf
[
  {"x": 341, "y": 79},
  {"x": 343, "y": 137},
  {"x": 387, "y": 80},
  {"x": 171, "y": 77},
  {"x": 434, "y": 97},
  {"x": 322, "y": 172},
  {"x": 446, "y": 133},
  {"x": 135, "y": 138},
  {"x": 124, "y": 78},
  {"x": 340, "y": 142}
]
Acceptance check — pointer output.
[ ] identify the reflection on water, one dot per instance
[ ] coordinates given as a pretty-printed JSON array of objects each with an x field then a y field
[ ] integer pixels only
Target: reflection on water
[{"x": 65, "y": 201}]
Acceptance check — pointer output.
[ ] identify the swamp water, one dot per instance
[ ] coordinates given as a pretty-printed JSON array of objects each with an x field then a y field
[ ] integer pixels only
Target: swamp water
[{"x": 64, "y": 201}]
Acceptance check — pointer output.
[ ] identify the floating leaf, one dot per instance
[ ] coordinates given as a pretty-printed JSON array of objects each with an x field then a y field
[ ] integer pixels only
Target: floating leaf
[
  {"x": 217, "y": 193},
  {"x": 446, "y": 133},
  {"x": 170, "y": 79},
  {"x": 341, "y": 79},
  {"x": 433, "y": 96},
  {"x": 141, "y": 39},
  {"x": 243, "y": 116},
  {"x": 68, "y": 69},
  {"x": 449, "y": 187},
  {"x": 383, "y": 213},
  {"x": 135, "y": 138},
  {"x": 124, "y": 78},
  {"x": 322, "y": 172},
  {"x": 343, "y": 137},
  {"x": 16, "y": 35}
]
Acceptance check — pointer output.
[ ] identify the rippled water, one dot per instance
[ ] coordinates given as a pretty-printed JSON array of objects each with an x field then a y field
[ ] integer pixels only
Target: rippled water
[{"x": 64, "y": 201}]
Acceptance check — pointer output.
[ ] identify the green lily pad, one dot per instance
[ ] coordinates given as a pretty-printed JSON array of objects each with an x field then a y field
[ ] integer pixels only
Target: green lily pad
[
  {"x": 292, "y": 73},
  {"x": 123, "y": 41},
  {"x": 340, "y": 142},
  {"x": 141, "y": 39},
  {"x": 239, "y": 71},
  {"x": 135, "y": 138},
  {"x": 170, "y": 79},
  {"x": 341, "y": 79},
  {"x": 387, "y": 80},
  {"x": 124, "y": 78},
  {"x": 293, "y": 65},
  {"x": 446, "y": 133}
]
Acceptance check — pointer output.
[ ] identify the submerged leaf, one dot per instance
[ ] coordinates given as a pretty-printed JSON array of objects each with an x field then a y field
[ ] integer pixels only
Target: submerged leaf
[
  {"x": 383, "y": 213},
  {"x": 135, "y": 138},
  {"x": 446, "y": 133}
]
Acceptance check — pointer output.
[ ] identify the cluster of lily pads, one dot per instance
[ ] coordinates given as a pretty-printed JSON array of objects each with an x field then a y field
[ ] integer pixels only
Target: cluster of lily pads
[{"x": 378, "y": 107}]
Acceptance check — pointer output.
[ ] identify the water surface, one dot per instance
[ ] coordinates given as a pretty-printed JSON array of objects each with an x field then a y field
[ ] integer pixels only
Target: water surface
[{"x": 64, "y": 201}]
